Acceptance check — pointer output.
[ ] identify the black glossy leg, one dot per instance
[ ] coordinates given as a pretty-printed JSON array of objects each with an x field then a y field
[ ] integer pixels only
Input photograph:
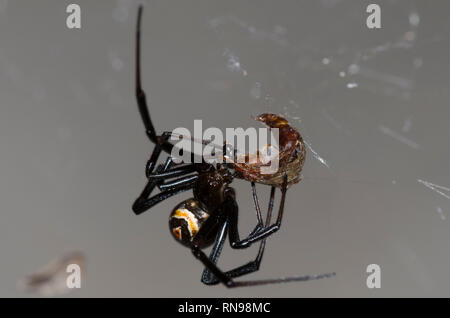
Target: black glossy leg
[
  {"x": 163, "y": 142},
  {"x": 151, "y": 163},
  {"x": 207, "y": 277},
  {"x": 256, "y": 202},
  {"x": 227, "y": 277},
  {"x": 143, "y": 202},
  {"x": 141, "y": 205},
  {"x": 140, "y": 94},
  {"x": 151, "y": 184},
  {"x": 172, "y": 173},
  {"x": 234, "y": 234},
  {"x": 178, "y": 182},
  {"x": 253, "y": 266}
]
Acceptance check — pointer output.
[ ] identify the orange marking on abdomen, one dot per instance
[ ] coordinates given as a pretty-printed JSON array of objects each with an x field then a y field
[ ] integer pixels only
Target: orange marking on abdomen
[
  {"x": 190, "y": 219},
  {"x": 177, "y": 232}
]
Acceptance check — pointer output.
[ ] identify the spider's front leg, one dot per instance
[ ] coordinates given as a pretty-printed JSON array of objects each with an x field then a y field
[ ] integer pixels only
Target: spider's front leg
[
  {"x": 161, "y": 141},
  {"x": 141, "y": 97},
  {"x": 144, "y": 201}
]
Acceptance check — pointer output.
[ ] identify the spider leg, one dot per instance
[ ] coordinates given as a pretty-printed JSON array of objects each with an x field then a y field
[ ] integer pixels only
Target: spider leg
[
  {"x": 259, "y": 226},
  {"x": 234, "y": 235},
  {"x": 143, "y": 202},
  {"x": 256, "y": 202},
  {"x": 140, "y": 94},
  {"x": 207, "y": 277},
  {"x": 151, "y": 163},
  {"x": 227, "y": 277},
  {"x": 253, "y": 266},
  {"x": 163, "y": 140},
  {"x": 175, "y": 172},
  {"x": 141, "y": 99},
  {"x": 178, "y": 182}
]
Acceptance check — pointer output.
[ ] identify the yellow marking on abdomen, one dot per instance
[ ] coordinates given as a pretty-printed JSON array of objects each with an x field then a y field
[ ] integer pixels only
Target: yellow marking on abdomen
[{"x": 190, "y": 219}]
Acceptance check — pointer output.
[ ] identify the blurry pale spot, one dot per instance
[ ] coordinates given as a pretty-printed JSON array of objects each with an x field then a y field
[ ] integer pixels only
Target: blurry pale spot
[
  {"x": 441, "y": 213},
  {"x": 414, "y": 19},
  {"x": 407, "y": 124},
  {"x": 353, "y": 69},
  {"x": 122, "y": 10},
  {"x": 51, "y": 280},
  {"x": 233, "y": 63},
  {"x": 116, "y": 61}
]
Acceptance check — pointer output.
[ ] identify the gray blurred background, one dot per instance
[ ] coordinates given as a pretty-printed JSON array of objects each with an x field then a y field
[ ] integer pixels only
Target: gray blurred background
[{"x": 373, "y": 106}]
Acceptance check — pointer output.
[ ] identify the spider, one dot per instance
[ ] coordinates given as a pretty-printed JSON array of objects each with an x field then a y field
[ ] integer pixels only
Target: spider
[{"x": 212, "y": 213}]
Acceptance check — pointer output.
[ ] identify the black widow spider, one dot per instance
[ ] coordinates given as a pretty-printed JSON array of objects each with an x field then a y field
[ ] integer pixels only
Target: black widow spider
[{"x": 213, "y": 212}]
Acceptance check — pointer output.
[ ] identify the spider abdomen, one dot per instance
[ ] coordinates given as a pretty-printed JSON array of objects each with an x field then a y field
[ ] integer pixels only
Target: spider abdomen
[{"x": 186, "y": 220}]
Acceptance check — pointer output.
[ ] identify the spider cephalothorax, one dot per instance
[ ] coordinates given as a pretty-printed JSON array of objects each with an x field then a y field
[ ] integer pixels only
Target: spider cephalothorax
[{"x": 212, "y": 186}]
